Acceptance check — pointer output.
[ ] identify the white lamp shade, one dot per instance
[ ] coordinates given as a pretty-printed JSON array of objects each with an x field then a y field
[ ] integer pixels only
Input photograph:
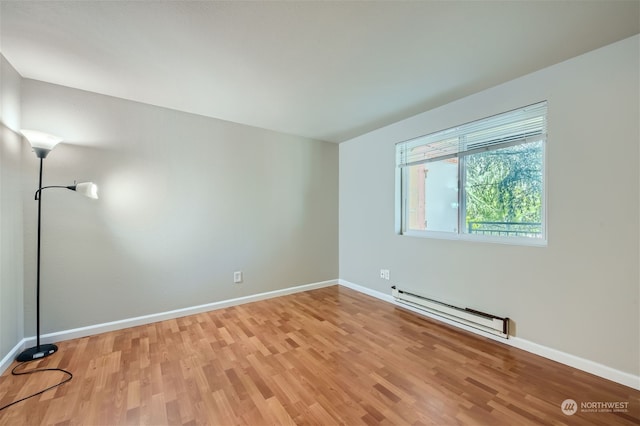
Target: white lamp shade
[
  {"x": 88, "y": 189},
  {"x": 40, "y": 139}
]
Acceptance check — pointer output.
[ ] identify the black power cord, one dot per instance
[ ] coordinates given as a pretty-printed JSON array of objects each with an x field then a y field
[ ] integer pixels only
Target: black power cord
[{"x": 37, "y": 370}]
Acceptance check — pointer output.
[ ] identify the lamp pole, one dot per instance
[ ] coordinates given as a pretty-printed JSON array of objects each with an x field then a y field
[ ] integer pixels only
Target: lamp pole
[{"x": 38, "y": 260}]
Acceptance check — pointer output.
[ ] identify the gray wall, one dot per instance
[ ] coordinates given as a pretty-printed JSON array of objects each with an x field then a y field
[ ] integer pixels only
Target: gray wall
[
  {"x": 11, "y": 239},
  {"x": 579, "y": 294},
  {"x": 184, "y": 202}
]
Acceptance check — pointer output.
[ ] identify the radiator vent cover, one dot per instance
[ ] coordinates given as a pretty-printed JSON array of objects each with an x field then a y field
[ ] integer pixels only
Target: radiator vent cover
[{"x": 480, "y": 320}]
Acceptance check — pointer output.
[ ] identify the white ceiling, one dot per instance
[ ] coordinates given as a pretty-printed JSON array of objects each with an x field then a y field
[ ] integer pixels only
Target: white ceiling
[{"x": 324, "y": 70}]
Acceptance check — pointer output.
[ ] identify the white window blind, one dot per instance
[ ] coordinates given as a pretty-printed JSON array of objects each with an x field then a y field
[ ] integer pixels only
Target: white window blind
[{"x": 515, "y": 127}]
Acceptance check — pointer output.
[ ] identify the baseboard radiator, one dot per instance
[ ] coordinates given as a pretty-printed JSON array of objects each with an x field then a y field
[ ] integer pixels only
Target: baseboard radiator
[{"x": 471, "y": 317}]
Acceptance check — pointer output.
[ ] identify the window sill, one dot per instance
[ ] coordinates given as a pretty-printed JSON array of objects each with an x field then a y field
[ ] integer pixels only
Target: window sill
[{"x": 515, "y": 241}]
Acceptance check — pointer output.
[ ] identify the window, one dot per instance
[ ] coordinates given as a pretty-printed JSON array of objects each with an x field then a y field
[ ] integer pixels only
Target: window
[{"x": 481, "y": 180}]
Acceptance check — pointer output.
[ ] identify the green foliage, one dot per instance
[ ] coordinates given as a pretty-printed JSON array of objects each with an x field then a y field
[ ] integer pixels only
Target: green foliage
[{"x": 505, "y": 185}]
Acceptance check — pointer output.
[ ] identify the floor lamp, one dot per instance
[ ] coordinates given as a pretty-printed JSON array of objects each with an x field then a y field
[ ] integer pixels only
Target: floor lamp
[{"x": 42, "y": 144}]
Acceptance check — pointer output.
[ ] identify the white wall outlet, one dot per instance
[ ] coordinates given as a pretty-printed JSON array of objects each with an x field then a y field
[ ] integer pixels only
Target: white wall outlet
[
  {"x": 382, "y": 273},
  {"x": 237, "y": 277},
  {"x": 386, "y": 274}
]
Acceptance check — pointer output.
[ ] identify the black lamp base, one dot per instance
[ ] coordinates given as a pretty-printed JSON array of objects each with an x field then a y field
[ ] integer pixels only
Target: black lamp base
[{"x": 37, "y": 352}]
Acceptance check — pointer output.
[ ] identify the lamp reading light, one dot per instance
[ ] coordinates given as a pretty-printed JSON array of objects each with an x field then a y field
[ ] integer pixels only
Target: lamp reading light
[
  {"x": 88, "y": 189},
  {"x": 42, "y": 144}
]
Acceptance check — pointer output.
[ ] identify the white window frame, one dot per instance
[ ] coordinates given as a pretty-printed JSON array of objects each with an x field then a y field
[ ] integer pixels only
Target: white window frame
[{"x": 401, "y": 201}]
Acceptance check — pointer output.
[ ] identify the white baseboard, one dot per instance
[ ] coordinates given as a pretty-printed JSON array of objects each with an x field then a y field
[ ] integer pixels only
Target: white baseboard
[
  {"x": 13, "y": 353},
  {"x": 583, "y": 364},
  {"x": 90, "y": 330}
]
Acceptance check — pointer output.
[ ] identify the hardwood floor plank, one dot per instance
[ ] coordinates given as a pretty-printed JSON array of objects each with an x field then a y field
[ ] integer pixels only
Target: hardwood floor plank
[{"x": 329, "y": 356}]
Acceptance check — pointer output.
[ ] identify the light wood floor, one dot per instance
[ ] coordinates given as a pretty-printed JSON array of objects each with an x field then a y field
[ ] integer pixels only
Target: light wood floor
[{"x": 328, "y": 356}]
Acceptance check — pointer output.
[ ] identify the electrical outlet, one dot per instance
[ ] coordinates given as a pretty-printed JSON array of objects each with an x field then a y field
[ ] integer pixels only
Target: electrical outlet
[
  {"x": 386, "y": 274},
  {"x": 382, "y": 273},
  {"x": 237, "y": 277}
]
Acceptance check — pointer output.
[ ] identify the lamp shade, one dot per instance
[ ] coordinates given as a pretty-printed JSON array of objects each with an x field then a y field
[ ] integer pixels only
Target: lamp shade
[
  {"x": 40, "y": 139},
  {"x": 88, "y": 189}
]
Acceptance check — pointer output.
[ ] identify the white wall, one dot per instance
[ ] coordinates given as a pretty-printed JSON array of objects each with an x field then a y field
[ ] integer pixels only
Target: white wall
[
  {"x": 11, "y": 240},
  {"x": 579, "y": 294},
  {"x": 184, "y": 202}
]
